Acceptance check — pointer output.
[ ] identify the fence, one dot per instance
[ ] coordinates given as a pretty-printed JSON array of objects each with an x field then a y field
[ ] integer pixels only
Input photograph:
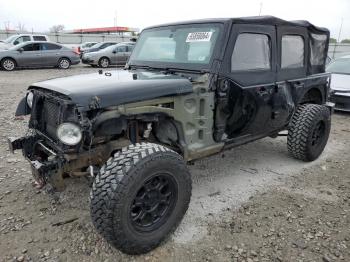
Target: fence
[{"x": 338, "y": 50}]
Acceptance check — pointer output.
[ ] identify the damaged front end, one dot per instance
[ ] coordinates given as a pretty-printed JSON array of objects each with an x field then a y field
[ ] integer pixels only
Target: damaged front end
[{"x": 55, "y": 154}]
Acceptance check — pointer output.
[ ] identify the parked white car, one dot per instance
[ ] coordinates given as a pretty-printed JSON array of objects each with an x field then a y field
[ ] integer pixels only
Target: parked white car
[{"x": 21, "y": 38}]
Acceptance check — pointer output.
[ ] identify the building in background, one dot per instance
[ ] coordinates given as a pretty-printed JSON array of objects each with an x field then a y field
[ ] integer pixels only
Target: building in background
[{"x": 118, "y": 30}]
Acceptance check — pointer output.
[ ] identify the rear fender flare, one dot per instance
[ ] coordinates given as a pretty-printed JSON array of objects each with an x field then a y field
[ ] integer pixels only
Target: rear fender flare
[{"x": 319, "y": 89}]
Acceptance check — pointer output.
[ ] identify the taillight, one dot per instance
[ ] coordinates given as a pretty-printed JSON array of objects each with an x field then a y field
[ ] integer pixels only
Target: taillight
[{"x": 76, "y": 51}]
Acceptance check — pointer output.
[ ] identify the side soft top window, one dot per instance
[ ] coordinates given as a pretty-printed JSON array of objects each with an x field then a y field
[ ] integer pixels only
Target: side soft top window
[
  {"x": 293, "y": 47},
  {"x": 251, "y": 52}
]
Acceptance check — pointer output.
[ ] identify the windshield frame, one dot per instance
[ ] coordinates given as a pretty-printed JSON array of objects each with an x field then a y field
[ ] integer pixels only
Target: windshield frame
[{"x": 185, "y": 66}]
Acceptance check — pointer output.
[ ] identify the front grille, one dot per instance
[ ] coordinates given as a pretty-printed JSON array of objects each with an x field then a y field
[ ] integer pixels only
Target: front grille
[
  {"x": 51, "y": 117},
  {"x": 49, "y": 111}
]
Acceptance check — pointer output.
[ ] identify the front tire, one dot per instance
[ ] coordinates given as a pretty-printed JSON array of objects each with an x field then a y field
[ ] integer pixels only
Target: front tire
[
  {"x": 309, "y": 131},
  {"x": 8, "y": 64},
  {"x": 140, "y": 196}
]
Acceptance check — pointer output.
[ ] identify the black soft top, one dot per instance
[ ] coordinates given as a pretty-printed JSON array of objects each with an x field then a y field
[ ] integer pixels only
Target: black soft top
[{"x": 261, "y": 20}]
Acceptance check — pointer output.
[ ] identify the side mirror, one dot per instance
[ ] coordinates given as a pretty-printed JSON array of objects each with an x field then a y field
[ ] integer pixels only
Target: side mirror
[
  {"x": 20, "y": 50},
  {"x": 114, "y": 51}
]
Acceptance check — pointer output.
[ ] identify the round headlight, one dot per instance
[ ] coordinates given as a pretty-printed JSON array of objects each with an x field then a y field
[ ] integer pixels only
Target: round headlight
[
  {"x": 30, "y": 97},
  {"x": 69, "y": 134}
]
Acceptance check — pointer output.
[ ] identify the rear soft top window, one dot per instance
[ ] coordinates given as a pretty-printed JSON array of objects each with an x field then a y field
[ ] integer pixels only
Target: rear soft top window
[{"x": 317, "y": 48}]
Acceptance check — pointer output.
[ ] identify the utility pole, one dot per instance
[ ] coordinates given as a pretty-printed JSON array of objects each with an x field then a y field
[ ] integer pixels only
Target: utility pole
[
  {"x": 116, "y": 24},
  {"x": 7, "y": 25},
  {"x": 261, "y": 6},
  {"x": 338, "y": 40},
  {"x": 115, "y": 18},
  {"x": 7, "y": 28}
]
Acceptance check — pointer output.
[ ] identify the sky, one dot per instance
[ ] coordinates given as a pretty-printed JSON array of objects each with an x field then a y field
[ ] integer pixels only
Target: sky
[{"x": 40, "y": 15}]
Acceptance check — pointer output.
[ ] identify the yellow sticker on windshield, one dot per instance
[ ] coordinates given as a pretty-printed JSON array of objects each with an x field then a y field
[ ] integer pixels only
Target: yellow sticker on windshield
[{"x": 199, "y": 37}]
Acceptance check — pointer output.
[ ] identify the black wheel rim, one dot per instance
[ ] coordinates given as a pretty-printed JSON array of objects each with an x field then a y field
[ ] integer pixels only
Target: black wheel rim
[
  {"x": 318, "y": 133},
  {"x": 153, "y": 202}
]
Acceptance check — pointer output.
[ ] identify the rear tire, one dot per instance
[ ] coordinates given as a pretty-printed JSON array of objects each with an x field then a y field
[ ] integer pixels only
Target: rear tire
[
  {"x": 309, "y": 131},
  {"x": 64, "y": 63},
  {"x": 104, "y": 62},
  {"x": 8, "y": 64},
  {"x": 140, "y": 196}
]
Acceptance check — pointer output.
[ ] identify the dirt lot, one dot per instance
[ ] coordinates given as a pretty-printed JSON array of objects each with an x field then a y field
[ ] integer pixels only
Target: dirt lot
[{"x": 252, "y": 203}]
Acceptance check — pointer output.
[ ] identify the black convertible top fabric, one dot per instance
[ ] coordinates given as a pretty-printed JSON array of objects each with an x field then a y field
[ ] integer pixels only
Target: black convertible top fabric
[
  {"x": 263, "y": 20},
  {"x": 271, "y": 20}
]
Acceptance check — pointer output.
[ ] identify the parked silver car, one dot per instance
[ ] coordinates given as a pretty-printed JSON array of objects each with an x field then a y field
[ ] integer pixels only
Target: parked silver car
[
  {"x": 113, "y": 55},
  {"x": 97, "y": 47},
  {"x": 340, "y": 83},
  {"x": 38, "y": 54},
  {"x": 85, "y": 46}
]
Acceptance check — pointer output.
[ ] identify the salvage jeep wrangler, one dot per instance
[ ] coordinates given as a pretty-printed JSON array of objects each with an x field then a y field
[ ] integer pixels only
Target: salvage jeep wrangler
[{"x": 189, "y": 90}]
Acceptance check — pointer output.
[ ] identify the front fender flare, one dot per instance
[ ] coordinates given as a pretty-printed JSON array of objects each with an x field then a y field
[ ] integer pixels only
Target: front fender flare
[{"x": 22, "y": 108}]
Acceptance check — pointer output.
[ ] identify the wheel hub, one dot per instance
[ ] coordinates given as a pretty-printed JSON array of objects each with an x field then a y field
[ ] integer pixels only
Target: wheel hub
[
  {"x": 8, "y": 64},
  {"x": 64, "y": 63},
  {"x": 152, "y": 198},
  {"x": 153, "y": 202}
]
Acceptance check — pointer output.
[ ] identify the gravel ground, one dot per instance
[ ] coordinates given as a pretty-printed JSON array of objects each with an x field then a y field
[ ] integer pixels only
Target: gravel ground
[{"x": 252, "y": 203}]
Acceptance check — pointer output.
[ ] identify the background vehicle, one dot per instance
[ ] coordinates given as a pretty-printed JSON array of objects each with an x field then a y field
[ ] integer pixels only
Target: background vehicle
[
  {"x": 189, "y": 90},
  {"x": 38, "y": 54},
  {"x": 85, "y": 46},
  {"x": 18, "y": 39},
  {"x": 97, "y": 47},
  {"x": 112, "y": 55},
  {"x": 340, "y": 85}
]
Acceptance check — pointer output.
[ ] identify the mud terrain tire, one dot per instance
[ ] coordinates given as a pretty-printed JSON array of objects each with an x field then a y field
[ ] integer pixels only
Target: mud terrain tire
[
  {"x": 309, "y": 131},
  {"x": 140, "y": 196}
]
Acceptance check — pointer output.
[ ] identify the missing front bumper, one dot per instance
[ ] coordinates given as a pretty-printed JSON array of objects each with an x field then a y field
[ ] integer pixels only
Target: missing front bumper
[
  {"x": 15, "y": 143},
  {"x": 49, "y": 166},
  {"x": 46, "y": 166}
]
